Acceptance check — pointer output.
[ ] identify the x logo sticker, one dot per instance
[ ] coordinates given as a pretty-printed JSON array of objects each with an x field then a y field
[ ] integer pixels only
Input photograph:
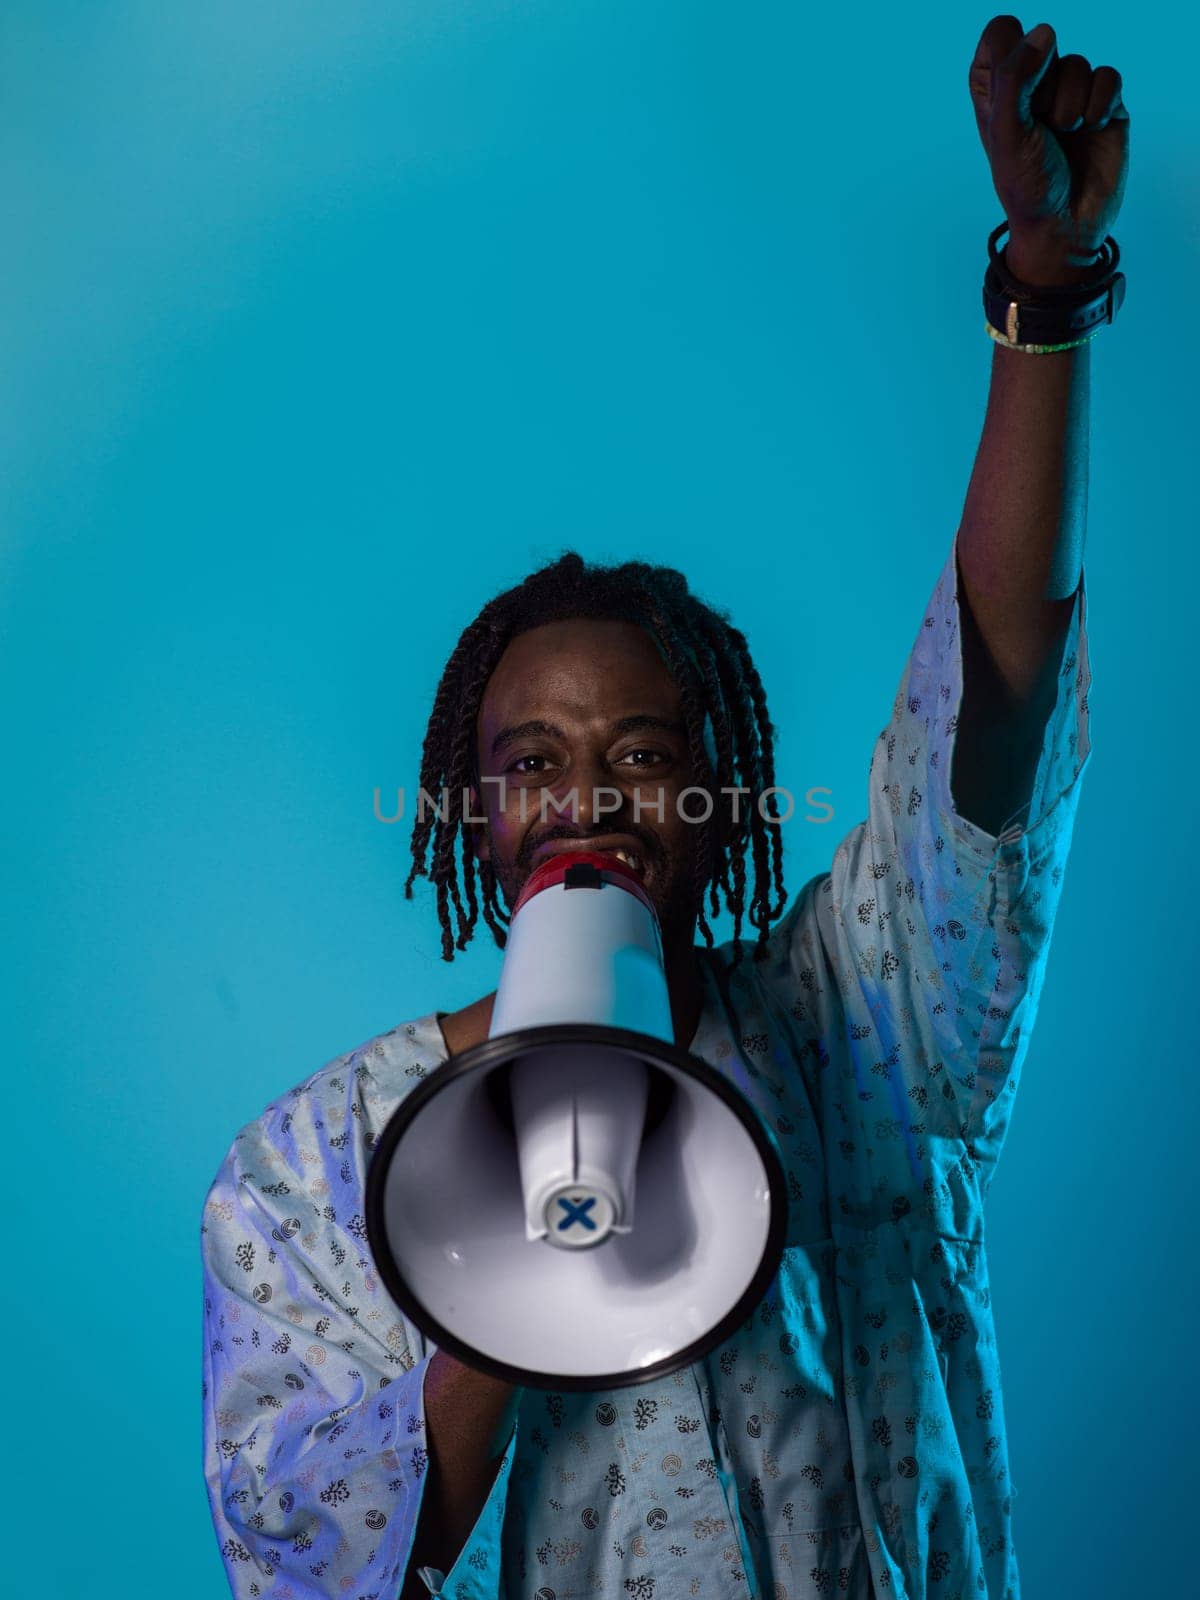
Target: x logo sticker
[{"x": 575, "y": 1213}]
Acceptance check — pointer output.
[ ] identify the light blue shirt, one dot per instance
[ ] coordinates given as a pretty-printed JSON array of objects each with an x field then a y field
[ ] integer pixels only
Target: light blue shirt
[{"x": 850, "y": 1437}]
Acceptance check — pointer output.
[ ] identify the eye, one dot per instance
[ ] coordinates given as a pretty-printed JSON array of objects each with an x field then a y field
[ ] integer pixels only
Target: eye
[
  {"x": 652, "y": 756},
  {"x": 526, "y": 772}
]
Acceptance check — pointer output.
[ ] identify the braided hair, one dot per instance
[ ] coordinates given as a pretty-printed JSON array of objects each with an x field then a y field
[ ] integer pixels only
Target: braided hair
[{"x": 709, "y": 659}]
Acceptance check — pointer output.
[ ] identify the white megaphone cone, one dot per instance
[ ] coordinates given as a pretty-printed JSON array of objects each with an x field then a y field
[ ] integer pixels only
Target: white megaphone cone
[{"x": 578, "y": 1203}]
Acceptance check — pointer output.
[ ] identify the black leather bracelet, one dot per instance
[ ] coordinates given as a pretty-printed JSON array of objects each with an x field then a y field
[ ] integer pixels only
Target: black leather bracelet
[{"x": 1052, "y": 314}]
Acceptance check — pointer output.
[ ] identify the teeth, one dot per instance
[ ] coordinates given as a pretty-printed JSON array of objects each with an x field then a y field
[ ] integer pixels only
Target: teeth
[{"x": 629, "y": 860}]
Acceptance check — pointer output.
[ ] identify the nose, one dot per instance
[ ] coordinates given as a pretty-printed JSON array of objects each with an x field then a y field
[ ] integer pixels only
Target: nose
[{"x": 599, "y": 799}]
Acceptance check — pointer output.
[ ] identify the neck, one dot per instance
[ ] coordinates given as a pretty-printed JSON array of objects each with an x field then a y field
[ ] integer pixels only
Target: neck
[{"x": 686, "y": 990}]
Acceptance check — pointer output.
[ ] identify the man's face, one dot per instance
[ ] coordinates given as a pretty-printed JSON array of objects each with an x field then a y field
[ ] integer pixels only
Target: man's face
[{"x": 590, "y": 707}]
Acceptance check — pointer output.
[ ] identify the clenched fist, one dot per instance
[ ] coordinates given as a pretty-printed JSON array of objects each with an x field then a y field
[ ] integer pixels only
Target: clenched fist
[{"x": 1056, "y": 134}]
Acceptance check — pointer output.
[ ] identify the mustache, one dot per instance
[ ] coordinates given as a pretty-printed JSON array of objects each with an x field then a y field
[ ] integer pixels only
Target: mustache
[{"x": 649, "y": 847}]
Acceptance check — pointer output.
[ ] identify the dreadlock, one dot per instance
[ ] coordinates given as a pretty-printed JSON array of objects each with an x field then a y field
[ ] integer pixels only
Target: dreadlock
[{"x": 709, "y": 659}]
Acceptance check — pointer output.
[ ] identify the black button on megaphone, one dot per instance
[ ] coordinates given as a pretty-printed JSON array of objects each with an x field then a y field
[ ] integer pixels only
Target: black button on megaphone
[{"x": 578, "y": 1203}]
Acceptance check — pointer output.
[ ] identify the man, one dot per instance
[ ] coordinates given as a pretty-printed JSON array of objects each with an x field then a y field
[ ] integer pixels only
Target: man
[{"x": 850, "y": 1438}]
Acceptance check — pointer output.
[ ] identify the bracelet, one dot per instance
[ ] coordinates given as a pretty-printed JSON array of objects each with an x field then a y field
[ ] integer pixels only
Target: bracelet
[
  {"x": 1036, "y": 349},
  {"x": 1038, "y": 320}
]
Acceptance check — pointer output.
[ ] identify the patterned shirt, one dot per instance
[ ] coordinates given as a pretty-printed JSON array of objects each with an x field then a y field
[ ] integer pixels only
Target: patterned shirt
[{"x": 849, "y": 1440}]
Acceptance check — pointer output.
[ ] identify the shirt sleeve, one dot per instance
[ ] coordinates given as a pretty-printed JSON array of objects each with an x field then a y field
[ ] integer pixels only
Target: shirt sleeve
[
  {"x": 313, "y": 1406},
  {"x": 938, "y": 932}
]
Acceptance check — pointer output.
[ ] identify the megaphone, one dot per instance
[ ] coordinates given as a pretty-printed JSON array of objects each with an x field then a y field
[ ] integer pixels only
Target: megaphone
[{"x": 577, "y": 1203}]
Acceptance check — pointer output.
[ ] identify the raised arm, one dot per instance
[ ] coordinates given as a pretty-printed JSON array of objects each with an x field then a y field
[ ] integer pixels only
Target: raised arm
[{"x": 1056, "y": 134}]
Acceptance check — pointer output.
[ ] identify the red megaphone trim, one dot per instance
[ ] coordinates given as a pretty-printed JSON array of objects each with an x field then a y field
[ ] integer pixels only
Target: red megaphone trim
[{"x": 555, "y": 869}]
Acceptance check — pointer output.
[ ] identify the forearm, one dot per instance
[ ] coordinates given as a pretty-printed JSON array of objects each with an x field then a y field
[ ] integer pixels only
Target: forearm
[
  {"x": 1020, "y": 542},
  {"x": 1020, "y": 557},
  {"x": 469, "y": 1418}
]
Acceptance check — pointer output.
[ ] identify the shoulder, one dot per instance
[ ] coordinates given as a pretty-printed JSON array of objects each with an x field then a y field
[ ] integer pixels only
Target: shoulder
[
  {"x": 793, "y": 945},
  {"x": 345, "y": 1102}
]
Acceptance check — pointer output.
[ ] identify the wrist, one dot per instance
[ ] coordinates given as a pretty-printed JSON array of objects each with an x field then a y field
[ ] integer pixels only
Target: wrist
[{"x": 1042, "y": 269}]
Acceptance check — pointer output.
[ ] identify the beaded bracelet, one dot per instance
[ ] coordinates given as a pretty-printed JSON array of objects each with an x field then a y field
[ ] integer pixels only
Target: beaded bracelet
[{"x": 1036, "y": 349}]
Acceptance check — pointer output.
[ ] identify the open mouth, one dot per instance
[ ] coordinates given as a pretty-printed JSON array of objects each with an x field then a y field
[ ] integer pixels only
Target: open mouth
[{"x": 631, "y": 859}]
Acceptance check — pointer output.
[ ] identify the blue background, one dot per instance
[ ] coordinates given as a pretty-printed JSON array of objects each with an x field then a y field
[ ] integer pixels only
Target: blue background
[{"x": 323, "y": 323}]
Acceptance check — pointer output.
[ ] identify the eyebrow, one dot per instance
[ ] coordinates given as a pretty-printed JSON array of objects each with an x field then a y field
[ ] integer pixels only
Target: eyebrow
[{"x": 536, "y": 728}]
